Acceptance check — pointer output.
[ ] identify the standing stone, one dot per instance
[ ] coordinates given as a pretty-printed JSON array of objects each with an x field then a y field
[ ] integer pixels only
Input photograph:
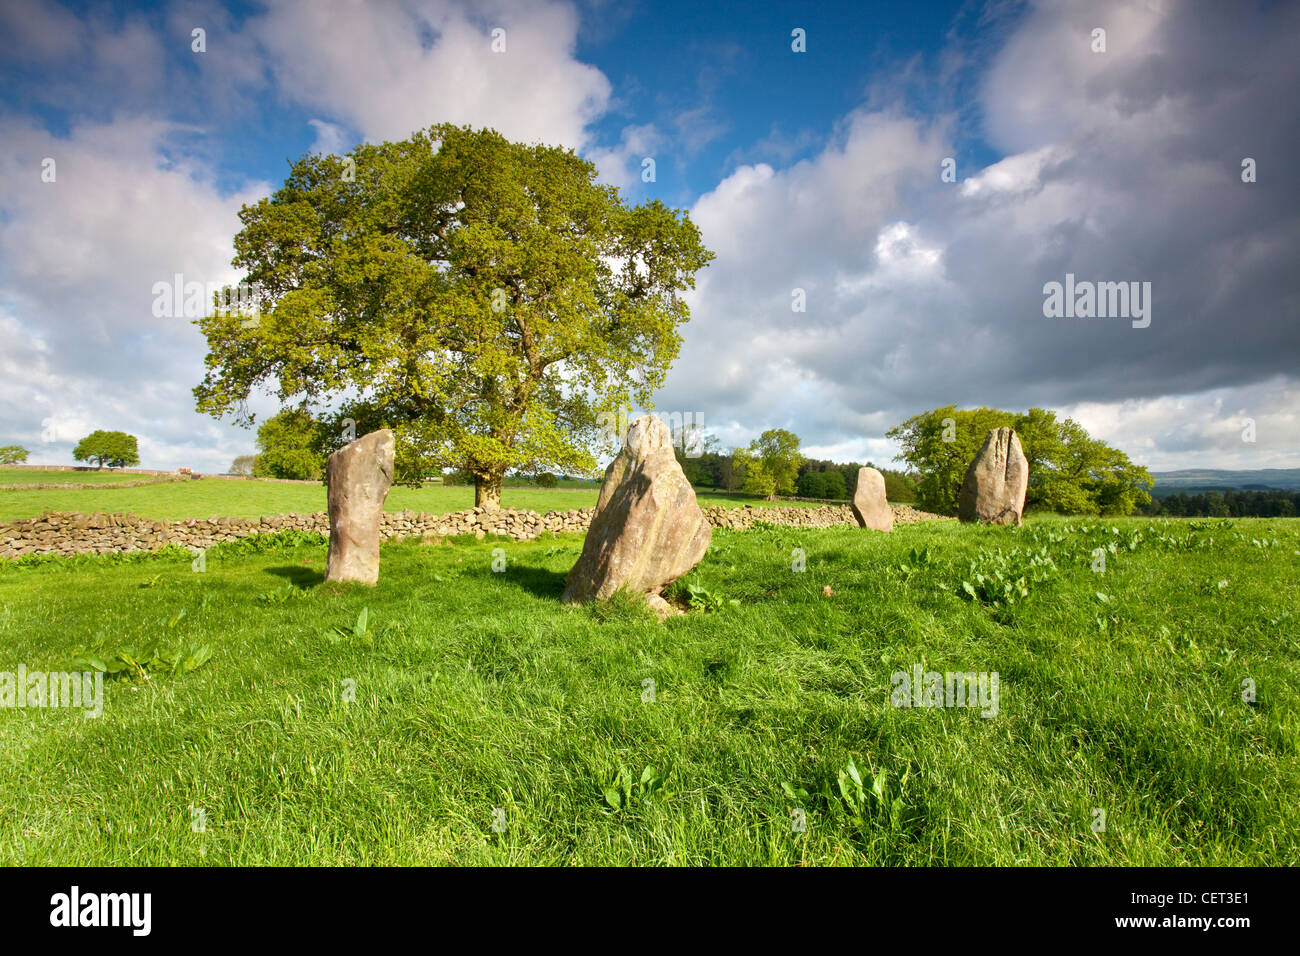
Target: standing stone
[
  {"x": 996, "y": 482},
  {"x": 359, "y": 476},
  {"x": 870, "y": 506},
  {"x": 647, "y": 530}
]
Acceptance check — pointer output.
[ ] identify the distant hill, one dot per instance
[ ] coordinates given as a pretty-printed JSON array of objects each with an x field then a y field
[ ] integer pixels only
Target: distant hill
[{"x": 1204, "y": 479}]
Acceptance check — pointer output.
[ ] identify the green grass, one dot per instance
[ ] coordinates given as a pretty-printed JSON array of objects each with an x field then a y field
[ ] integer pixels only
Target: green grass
[
  {"x": 205, "y": 497},
  {"x": 477, "y": 690},
  {"x": 23, "y": 476}
]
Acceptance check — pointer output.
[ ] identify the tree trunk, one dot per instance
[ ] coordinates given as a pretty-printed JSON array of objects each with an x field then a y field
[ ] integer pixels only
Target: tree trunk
[{"x": 487, "y": 492}]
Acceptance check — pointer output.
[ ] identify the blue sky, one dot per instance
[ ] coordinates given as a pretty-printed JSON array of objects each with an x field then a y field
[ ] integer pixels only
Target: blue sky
[
  {"x": 719, "y": 80},
  {"x": 816, "y": 171}
]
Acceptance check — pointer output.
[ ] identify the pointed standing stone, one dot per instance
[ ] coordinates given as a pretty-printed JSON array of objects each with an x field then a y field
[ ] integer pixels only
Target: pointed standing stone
[
  {"x": 359, "y": 476},
  {"x": 648, "y": 529},
  {"x": 870, "y": 506},
  {"x": 996, "y": 482}
]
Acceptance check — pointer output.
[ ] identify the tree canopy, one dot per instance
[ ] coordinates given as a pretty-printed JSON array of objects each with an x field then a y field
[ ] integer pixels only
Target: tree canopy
[
  {"x": 770, "y": 465},
  {"x": 243, "y": 465},
  {"x": 823, "y": 484},
  {"x": 486, "y": 300},
  {"x": 12, "y": 454},
  {"x": 114, "y": 449},
  {"x": 1069, "y": 471},
  {"x": 290, "y": 445}
]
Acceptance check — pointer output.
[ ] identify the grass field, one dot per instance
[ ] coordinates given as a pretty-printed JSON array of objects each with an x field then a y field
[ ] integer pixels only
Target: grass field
[
  {"x": 205, "y": 497},
  {"x": 25, "y": 476},
  {"x": 479, "y": 698}
]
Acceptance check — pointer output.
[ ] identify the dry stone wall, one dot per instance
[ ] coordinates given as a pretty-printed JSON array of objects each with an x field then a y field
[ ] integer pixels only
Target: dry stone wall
[{"x": 74, "y": 533}]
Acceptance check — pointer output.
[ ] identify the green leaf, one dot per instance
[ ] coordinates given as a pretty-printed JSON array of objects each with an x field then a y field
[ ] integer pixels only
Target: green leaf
[
  {"x": 878, "y": 785},
  {"x": 198, "y": 658},
  {"x": 797, "y": 794},
  {"x": 853, "y": 772}
]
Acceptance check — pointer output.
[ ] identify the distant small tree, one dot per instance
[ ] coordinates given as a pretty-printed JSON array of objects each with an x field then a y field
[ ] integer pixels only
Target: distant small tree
[
  {"x": 751, "y": 473},
  {"x": 545, "y": 480},
  {"x": 290, "y": 445},
  {"x": 243, "y": 465},
  {"x": 457, "y": 477},
  {"x": 778, "y": 451},
  {"x": 727, "y": 478},
  {"x": 114, "y": 449},
  {"x": 12, "y": 454}
]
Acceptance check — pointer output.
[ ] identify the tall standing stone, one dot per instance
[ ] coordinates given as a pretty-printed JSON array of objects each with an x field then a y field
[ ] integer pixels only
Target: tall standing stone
[
  {"x": 359, "y": 477},
  {"x": 993, "y": 491},
  {"x": 870, "y": 506},
  {"x": 647, "y": 530}
]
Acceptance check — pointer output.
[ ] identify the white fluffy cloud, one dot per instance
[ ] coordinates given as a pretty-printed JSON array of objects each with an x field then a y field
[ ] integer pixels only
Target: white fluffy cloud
[
  {"x": 81, "y": 256},
  {"x": 389, "y": 69},
  {"x": 622, "y": 165},
  {"x": 1253, "y": 426}
]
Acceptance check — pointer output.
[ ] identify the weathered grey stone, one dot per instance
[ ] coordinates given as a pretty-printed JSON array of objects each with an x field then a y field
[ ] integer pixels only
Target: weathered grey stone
[
  {"x": 870, "y": 506},
  {"x": 647, "y": 530},
  {"x": 993, "y": 491},
  {"x": 359, "y": 477}
]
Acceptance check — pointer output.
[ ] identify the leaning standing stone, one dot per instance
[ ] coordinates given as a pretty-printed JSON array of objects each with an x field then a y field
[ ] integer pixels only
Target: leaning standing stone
[
  {"x": 996, "y": 482},
  {"x": 359, "y": 477},
  {"x": 870, "y": 506},
  {"x": 648, "y": 529}
]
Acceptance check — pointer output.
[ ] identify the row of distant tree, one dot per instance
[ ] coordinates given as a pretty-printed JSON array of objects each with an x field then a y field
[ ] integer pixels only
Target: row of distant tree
[
  {"x": 1070, "y": 472},
  {"x": 772, "y": 465},
  {"x": 105, "y": 448},
  {"x": 1228, "y": 503}
]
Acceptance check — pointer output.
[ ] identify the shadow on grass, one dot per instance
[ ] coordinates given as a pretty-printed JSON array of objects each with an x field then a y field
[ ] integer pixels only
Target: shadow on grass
[
  {"x": 297, "y": 575},
  {"x": 538, "y": 581}
]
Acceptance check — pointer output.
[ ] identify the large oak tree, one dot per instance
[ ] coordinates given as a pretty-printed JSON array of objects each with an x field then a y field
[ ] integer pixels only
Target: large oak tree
[{"x": 485, "y": 299}]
